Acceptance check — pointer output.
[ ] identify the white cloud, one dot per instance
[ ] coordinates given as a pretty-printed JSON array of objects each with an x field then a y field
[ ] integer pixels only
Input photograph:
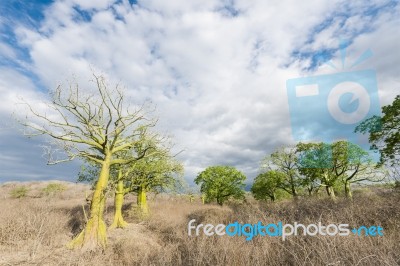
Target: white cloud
[{"x": 217, "y": 77}]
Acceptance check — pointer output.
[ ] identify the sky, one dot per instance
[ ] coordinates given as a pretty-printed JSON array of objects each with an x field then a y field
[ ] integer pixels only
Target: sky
[{"x": 217, "y": 70}]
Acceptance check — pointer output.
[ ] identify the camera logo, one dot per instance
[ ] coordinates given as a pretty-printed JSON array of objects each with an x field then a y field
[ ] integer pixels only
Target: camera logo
[{"x": 329, "y": 107}]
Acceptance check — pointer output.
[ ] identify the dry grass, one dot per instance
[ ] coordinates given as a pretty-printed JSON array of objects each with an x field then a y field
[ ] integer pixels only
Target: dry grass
[{"x": 35, "y": 229}]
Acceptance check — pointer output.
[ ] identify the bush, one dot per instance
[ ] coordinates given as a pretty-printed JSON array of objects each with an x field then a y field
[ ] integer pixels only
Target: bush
[
  {"x": 53, "y": 189},
  {"x": 397, "y": 185},
  {"x": 19, "y": 192}
]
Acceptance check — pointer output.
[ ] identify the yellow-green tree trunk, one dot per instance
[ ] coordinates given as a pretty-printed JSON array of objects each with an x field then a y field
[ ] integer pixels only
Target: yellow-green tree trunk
[
  {"x": 118, "y": 202},
  {"x": 330, "y": 192},
  {"x": 94, "y": 234},
  {"x": 142, "y": 201},
  {"x": 203, "y": 198},
  {"x": 347, "y": 190}
]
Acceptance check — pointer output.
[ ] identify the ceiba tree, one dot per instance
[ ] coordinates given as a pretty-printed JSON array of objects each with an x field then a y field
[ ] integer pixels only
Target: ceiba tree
[
  {"x": 152, "y": 173},
  {"x": 95, "y": 126}
]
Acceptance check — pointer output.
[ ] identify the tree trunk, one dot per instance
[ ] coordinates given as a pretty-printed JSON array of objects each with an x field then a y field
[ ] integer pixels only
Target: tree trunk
[
  {"x": 219, "y": 201},
  {"x": 347, "y": 190},
  {"x": 118, "y": 202},
  {"x": 273, "y": 197},
  {"x": 294, "y": 192},
  {"x": 142, "y": 201},
  {"x": 293, "y": 187},
  {"x": 94, "y": 234},
  {"x": 331, "y": 192},
  {"x": 203, "y": 198}
]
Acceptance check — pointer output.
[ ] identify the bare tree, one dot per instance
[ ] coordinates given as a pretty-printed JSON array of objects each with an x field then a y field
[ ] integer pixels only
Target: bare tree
[{"x": 94, "y": 126}]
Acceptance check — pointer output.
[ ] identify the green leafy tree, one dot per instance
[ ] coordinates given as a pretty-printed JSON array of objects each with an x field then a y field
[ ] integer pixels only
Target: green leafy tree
[
  {"x": 221, "y": 183},
  {"x": 315, "y": 162},
  {"x": 384, "y": 135},
  {"x": 310, "y": 182},
  {"x": 354, "y": 165},
  {"x": 157, "y": 173},
  {"x": 285, "y": 160},
  {"x": 341, "y": 161},
  {"x": 267, "y": 184}
]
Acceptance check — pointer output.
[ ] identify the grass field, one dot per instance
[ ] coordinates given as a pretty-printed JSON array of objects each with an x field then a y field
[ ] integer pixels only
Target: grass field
[{"x": 35, "y": 227}]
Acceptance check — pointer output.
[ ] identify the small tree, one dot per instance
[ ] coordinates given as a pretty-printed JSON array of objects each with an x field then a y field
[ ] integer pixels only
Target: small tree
[
  {"x": 266, "y": 185},
  {"x": 94, "y": 126},
  {"x": 284, "y": 160},
  {"x": 356, "y": 165},
  {"x": 153, "y": 173},
  {"x": 221, "y": 183}
]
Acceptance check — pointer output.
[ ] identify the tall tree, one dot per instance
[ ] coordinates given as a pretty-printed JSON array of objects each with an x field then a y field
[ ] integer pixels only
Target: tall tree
[
  {"x": 94, "y": 126},
  {"x": 221, "y": 183}
]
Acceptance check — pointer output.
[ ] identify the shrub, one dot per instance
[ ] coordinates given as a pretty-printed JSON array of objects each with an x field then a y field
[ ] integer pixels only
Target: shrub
[
  {"x": 19, "y": 192},
  {"x": 397, "y": 184},
  {"x": 53, "y": 189}
]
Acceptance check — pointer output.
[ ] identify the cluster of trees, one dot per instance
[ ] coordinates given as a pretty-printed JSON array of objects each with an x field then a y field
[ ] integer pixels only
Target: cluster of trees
[
  {"x": 311, "y": 166},
  {"x": 118, "y": 143},
  {"x": 298, "y": 170}
]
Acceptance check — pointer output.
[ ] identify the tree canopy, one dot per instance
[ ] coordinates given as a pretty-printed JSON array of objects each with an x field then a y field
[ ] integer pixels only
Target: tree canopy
[
  {"x": 266, "y": 185},
  {"x": 384, "y": 133},
  {"x": 284, "y": 159},
  {"x": 221, "y": 183}
]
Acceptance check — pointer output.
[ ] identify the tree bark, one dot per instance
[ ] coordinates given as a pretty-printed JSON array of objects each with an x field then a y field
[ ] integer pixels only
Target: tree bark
[
  {"x": 203, "y": 199},
  {"x": 331, "y": 192},
  {"x": 273, "y": 197},
  {"x": 94, "y": 234},
  {"x": 142, "y": 202},
  {"x": 118, "y": 202},
  {"x": 310, "y": 190},
  {"x": 347, "y": 190}
]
